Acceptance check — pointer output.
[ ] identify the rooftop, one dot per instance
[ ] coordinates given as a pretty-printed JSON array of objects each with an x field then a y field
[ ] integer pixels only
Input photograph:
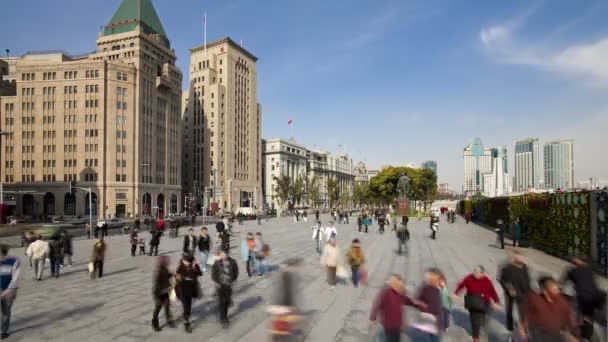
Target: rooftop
[
  {"x": 228, "y": 41},
  {"x": 134, "y": 13}
]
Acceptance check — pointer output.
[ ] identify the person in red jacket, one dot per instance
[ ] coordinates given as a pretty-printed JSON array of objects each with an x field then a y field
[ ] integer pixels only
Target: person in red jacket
[
  {"x": 479, "y": 293},
  {"x": 389, "y": 304}
]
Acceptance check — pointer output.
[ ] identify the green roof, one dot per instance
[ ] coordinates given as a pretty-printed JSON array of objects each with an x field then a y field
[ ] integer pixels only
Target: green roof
[{"x": 126, "y": 18}]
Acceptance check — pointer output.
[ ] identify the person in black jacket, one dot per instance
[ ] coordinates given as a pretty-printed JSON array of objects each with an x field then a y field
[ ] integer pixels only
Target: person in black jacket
[
  {"x": 66, "y": 240},
  {"x": 224, "y": 272},
  {"x": 155, "y": 242},
  {"x": 134, "y": 240},
  {"x": 160, "y": 292},
  {"x": 220, "y": 226},
  {"x": 190, "y": 242},
  {"x": 56, "y": 255},
  {"x": 204, "y": 246},
  {"x": 515, "y": 280},
  {"x": 187, "y": 275}
]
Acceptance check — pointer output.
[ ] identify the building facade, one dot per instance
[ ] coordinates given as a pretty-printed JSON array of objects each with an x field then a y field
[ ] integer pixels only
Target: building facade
[
  {"x": 340, "y": 167},
  {"x": 429, "y": 164},
  {"x": 282, "y": 158},
  {"x": 527, "y": 165},
  {"x": 559, "y": 164},
  {"x": 223, "y": 125},
  {"x": 496, "y": 182},
  {"x": 360, "y": 172},
  {"x": 108, "y": 121},
  {"x": 318, "y": 173},
  {"x": 477, "y": 162}
]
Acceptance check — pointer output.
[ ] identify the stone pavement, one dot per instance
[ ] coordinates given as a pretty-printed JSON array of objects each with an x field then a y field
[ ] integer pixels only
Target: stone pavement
[{"x": 119, "y": 306}]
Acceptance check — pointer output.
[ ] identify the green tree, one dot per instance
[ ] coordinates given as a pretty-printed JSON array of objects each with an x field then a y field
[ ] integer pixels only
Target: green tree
[
  {"x": 282, "y": 189},
  {"x": 312, "y": 191},
  {"x": 333, "y": 191},
  {"x": 361, "y": 195},
  {"x": 298, "y": 190},
  {"x": 423, "y": 185}
]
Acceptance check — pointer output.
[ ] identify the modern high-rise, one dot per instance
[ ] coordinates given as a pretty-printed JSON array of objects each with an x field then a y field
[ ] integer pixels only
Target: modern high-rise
[
  {"x": 477, "y": 162},
  {"x": 223, "y": 125},
  {"x": 496, "y": 182},
  {"x": 429, "y": 164},
  {"x": 108, "y": 121},
  {"x": 559, "y": 164},
  {"x": 527, "y": 165}
]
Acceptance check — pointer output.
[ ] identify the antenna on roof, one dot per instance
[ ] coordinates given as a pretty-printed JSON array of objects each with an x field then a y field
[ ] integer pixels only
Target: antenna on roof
[
  {"x": 138, "y": 11},
  {"x": 205, "y": 31},
  {"x": 241, "y": 42}
]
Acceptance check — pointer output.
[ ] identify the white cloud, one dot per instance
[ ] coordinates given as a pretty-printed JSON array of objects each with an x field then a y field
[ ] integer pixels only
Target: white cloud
[{"x": 494, "y": 34}]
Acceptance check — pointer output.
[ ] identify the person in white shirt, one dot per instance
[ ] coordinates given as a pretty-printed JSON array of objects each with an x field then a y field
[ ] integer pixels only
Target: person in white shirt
[
  {"x": 330, "y": 232},
  {"x": 38, "y": 251},
  {"x": 318, "y": 235},
  {"x": 330, "y": 260}
]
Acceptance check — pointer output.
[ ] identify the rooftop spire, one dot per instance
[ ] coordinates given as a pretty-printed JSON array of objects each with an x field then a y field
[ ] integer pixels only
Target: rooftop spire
[{"x": 132, "y": 13}]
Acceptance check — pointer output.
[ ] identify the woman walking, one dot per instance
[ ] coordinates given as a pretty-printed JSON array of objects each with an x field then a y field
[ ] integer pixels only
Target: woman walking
[
  {"x": 161, "y": 293},
  {"x": 479, "y": 293},
  {"x": 356, "y": 260},
  {"x": 329, "y": 260},
  {"x": 187, "y": 275}
]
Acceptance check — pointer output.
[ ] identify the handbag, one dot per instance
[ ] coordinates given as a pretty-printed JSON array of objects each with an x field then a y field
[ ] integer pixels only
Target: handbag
[
  {"x": 91, "y": 267},
  {"x": 475, "y": 303},
  {"x": 364, "y": 276},
  {"x": 342, "y": 272}
]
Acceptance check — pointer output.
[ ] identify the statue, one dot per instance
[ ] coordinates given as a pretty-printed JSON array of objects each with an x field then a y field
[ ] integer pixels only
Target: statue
[{"x": 403, "y": 186}]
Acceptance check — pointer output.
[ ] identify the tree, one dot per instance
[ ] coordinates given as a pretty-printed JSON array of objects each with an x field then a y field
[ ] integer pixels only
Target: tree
[
  {"x": 312, "y": 191},
  {"x": 297, "y": 190},
  {"x": 282, "y": 189},
  {"x": 333, "y": 191},
  {"x": 423, "y": 185},
  {"x": 361, "y": 195}
]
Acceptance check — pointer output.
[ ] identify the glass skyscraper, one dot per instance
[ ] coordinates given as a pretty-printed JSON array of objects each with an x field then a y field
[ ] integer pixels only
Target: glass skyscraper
[{"x": 559, "y": 164}]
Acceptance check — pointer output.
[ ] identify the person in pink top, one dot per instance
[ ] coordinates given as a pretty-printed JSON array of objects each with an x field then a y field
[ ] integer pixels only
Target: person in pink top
[{"x": 480, "y": 292}]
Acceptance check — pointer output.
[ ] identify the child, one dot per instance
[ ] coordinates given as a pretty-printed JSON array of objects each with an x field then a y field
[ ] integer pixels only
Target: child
[
  {"x": 142, "y": 246},
  {"x": 446, "y": 301}
]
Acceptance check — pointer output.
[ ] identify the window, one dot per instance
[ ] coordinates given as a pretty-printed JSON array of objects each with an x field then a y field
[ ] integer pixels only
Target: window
[{"x": 119, "y": 76}]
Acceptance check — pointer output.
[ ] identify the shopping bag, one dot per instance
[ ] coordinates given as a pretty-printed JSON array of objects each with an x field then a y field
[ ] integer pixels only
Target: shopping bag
[
  {"x": 342, "y": 272},
  {"x": 364, "y": 276},
  {"x": 211, "y": 260},
  {"x": 91, "y": 267},
  {"x": 172, "y": 295}
]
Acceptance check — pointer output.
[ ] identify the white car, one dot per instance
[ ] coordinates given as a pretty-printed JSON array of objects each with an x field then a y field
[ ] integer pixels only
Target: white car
[{"x": 246, "y": 211}]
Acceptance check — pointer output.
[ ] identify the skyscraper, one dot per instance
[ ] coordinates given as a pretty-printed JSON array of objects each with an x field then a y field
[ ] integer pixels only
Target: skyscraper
[
  {"x": 429, "y": 164},
  {"x": 477, "y": 161},
  {"x": 559, "y": 164},
  {"x": 496, "y": 182},
  {"x": 223, "y": 124},
  {"x": 527, "y": 165},
  {"x": 120, "y": 132}
]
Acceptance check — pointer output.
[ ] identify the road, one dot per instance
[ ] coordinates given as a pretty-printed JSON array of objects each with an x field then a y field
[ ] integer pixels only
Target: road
[{"x": 119, "y": 306}]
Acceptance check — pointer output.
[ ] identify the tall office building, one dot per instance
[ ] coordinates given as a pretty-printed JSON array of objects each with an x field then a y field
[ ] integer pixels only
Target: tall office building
[
  {"x": 527, "y": 165},
  {"x": 223, "y": 125},
  {"x": 559, "y": 164},
  {"x": 108, "y": 121},
  {"x": 477, "y": 162},
  {"x": 496, "y": 182},
  {"x": 429, "y": 164}
]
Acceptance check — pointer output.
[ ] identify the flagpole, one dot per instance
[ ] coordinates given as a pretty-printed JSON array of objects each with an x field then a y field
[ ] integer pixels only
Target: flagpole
[{"x": 205, "y": 31}]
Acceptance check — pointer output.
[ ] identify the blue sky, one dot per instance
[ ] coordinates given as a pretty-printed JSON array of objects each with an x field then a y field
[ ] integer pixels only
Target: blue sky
[{"x": 393, "y": 82}]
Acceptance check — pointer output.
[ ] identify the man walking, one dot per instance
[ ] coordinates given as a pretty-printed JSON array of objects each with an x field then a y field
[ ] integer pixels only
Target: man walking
[
  {"x": 68, "y": 250},
  {"x": 317, "y": 236},
  {"x": 97, "y": 258},
  {"x": 259, "y": 250},
  {"x": 38, "y": 251},
  {"x": 515, "y": 280},
  {"x": 155, "y": 242},
  {"x": 56, "y": 255},
  {"x": 134, "y": 240},
  {"x": 223, "y": 273},
  {"x": 220, "y": 226},
  {"x": 204, "y": 246},
  {"x": 403, "y": 234},
  {"x": 190, "y": 243},
  {"x": 9, "y": 277}
]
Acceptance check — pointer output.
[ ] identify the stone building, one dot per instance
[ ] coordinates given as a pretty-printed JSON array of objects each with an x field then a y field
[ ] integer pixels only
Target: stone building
[
  {"x": 282, "y": 157},
  {"x": 108, "y": 121}
]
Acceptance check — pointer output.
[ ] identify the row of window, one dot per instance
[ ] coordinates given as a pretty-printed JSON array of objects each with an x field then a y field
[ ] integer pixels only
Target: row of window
[
  {"x": 48, "y": 119},
  {"x": 68, "y": 75},
  {"x": 28, "y": 134},
  {"x": 49, "y": 178},
  {"x": 70, "y": 133},
  {"x": 49, "y": 149},
  {"x": 121, "y": 163},
  {"x": 49, "y": 134},
  {"x": 70, "y": 163},
  {"x": 69, "y": 119},
  {"x": 28, "y": 163},
  {"x": 49, "y": 76},
  {"x": 28, "y": 76},
  {"x": 121, "y": 134},
  {"x": 121, "y": 105},
  {"x": 48, "y": 163},
  {"x": 90, "y": 147},
  {"x": 27, "y": 106},
  {"x": 48, "y": 105},
  {"x": 91, "y": 103},
  {"x": 91, "y": 162},
  {"x": 28, "y": 91},
  {"x": 121, "y": 76},
  {"x": 70, "y": 90},
  {"x": 70, "y": 148},
  {"x": 93, "y": 88},
  {"x": 91, "y": 73},
  {"x": 90, "y": 177},
  {"x": 121, "y": 91},
  {"x": 121, "y": 178},
  {"x": 28, "y": 149},
  {"x": 91, "y": 132}
]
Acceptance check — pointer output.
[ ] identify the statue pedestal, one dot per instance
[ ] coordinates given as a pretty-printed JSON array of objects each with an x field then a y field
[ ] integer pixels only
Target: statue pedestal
[{"x": 403, "y": 207}]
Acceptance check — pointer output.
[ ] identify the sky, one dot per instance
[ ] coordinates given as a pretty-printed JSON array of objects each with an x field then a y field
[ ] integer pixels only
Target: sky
[{"x": 389, "y": 82}]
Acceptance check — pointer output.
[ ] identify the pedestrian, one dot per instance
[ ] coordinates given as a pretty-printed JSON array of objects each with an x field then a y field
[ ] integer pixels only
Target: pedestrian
[
  {"x": 220, "y": 226},
  {"x": 366, "y": 222},
  {"x": 467, "y": 216},
  {"x": 330, "y": 232},
  {"x": 190, "y": 243},
  {"x": 548, "y": 315},
  {"x": 224, "y": 238},
  {"x": 161, "y": 291},
  {"x": 317, "y": 214},
  {"x": 68, "y": 250},
  {"x": 261, "y": 250},
  {"x": 446, "y": 302},
  {"x": 479, "y": 293},
  {"x": 97, "y": 258},
  {"x": 284, "y": 311},
  {"x": 204, "y": 246},
  {"x": 30, "y": 238},
  {"x": 516, "y": 235},
  {"x": 330, "y": 259},
  {"x": 55, "y": 255},
  {"x": 318, "y": 236},
  {"x": 346, "y": 215},
  {"x": 142, "y": 246},
  {"x": 247, "y": 253},
  {"x": 187, "y": 274},
  {"x": 515, "y": 280},
  {"x": 155, "y": 241},
  {"x": 500, "y": 234},
  {"x": 224, "y": 273},
  {"x": 10, "y": 268},
  {"x": 381, "y": 223},
  {"x": 359, "y": 223},
  {"x": 403, "y": 234},
  {"x": 389, "y": 306},
  {"x": 98, "y": 228},
  {"x": 431, "y": 318},
  {"x": 305, "y": 216},
  {"x": 356, "y": 260},
  {"x": 160, "y": 225},
  {"x": 434, "y": 225},
  {"x": 134, "y": 240},
  {"x": 87, "y": 230},
  {"x": 104, "y": 229},
  {"x": 589, "y": 297},
  {"x": 38, "y": 251}
]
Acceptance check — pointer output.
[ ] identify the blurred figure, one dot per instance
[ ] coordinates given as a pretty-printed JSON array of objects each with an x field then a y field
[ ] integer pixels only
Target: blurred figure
[
  {"x": 359, "y": 223},
  {"x": 381, "y": 223},
  {"x": 389, "y": 306},
  {"x": 317, "y": 236},
  {"x": 589, "y": 297},
  {"x": 10, "y": 268},
  {"x": 204, "y": 246},
  {"x": 516, "y": 235},
  {"x": 30, "y": 237},
  {"x": 548, "y": 315},
  {"x": 220, "y": 226},
  {"x": 38, "y": 251},
  {"x": 356, "y": 260},
  {"x": 260, "y": 250},
  {"x": 515, "y": 280},
  {"x": 133, "y": 240},
  {"x": 330, "y": 232},
  {"x": 479, "y": 293},
  {"x": 142, "y": 246},
  {"x": 224, "y": 272},
  {"x": 155, "y": 241},
  {"x": 329, "y": 260},
  {"x": 434, "y": 225},
  {"x": 247, "y": 253},
  {"x": 284, "y": 310},
  {"x": 403, "y": 234},
  {"x": 161, "y": 290},
  {"x": 56, "y": 255},
  {"x": 187, "y": 274},
  {"x": 190, "y": 242},
  {"x": 446, "y": 302},
  {"x": 432, "y": 316},
  {"x": 98, "y": 257},
  {"x": 224, "y": 238},
  {"x": 68, "y": 250}
]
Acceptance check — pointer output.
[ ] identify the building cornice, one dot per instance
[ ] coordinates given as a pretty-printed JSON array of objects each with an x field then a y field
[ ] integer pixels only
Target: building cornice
[{"x": 225, "y": 40}]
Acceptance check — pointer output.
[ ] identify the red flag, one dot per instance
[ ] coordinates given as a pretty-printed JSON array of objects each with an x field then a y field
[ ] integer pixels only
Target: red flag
[{"x": 290, "y": 122}]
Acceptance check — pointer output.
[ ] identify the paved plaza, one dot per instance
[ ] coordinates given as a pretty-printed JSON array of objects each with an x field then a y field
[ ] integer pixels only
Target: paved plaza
[{"x": 119, "y": 306}]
